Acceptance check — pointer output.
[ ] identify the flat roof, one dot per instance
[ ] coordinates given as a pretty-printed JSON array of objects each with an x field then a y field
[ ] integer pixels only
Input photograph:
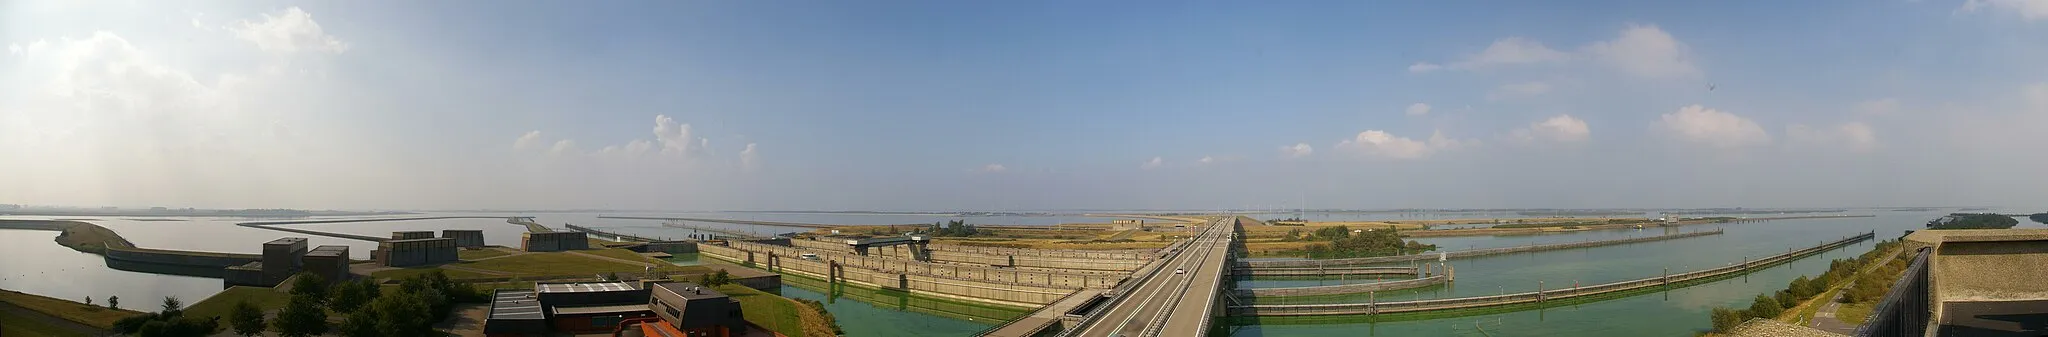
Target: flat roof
[
  {"x": 258, "y": 265},
  {"x": 461, "y": 230},
  {"x": 328, "y": 250},
  {"x": 515, "y": 304},
  {"x": 417, "y": 240},
  {"x": 583, "y": 287},
  {"x": 683, "y": 289},
  {"x": 285, "y": 241},
  {"x": 1936, "y": 236},
  {"x": 601, "y": 309}
]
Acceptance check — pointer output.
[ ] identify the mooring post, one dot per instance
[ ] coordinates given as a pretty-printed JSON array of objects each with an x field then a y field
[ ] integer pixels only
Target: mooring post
[{"x": 1667, "y": 277}]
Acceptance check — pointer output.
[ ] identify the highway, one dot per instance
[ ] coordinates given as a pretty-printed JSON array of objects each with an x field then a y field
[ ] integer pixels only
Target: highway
[{"x": 1170, "y": 303}]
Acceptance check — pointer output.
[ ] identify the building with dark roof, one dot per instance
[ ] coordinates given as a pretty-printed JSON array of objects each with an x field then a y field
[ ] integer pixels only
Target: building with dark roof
[
  {"x": 281, "y": 258},
  {"x": 515, "y": 313},
  {"x": 409, "y": 235},
  {"x": 465, "y": 238},
  {"x": 696, "y": 310},
  {"x": 328, "y": 261},
  {"x": 414, "y": 252},
  {"x": 553, "y": 241}
]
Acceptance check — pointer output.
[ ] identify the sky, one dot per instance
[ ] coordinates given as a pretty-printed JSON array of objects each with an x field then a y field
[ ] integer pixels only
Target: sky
[{"x": 948, "y": 105}]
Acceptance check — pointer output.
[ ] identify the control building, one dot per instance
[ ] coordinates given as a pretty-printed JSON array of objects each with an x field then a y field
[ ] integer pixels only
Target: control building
[
  {"x": 281, "y": 259},
  {"x": 414, "y": 252},
  {"x": 553, "y": 241},
  {"x": 409, "y": 235},
  {"x": 329, "y": 261}
]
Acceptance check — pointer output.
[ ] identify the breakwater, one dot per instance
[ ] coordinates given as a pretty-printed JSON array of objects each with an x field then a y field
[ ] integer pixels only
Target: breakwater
[
  {"x": 122, "y": 255},
  {"x": 1536, "y": 297},
  {"x": 602, "y": 233},
  {"x": 1464, "y": 253},
  {"x": 276, "y": 226},
  {"x": 1341, "y": 289},
  {"x": 741, "y": 222}
]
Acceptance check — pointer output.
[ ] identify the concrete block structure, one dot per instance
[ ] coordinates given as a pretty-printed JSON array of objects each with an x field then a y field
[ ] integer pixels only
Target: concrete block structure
[
  {"x": 671, "y": 247},
  {"x": 250, "y": 274},
  {"x": 553, "y": 242},
  {"x": 696, "y": 310},
  {"x": 587, "y": 307},
  {"x": 281, "y": 258},
  {"x": 414, "y": 252},
  {"x": 330, "y": 262},
  {"x": 409, "y": 235},
  {"x": 1126, "y": 224},
  {"x": 465, "y": 238}
]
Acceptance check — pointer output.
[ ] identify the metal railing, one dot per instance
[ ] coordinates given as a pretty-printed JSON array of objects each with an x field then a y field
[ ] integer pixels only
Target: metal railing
[{"x": 1904, "y": 311}]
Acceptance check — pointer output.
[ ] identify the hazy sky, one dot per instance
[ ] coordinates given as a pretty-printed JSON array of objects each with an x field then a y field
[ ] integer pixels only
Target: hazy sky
[{"x": 1023, "y": 105}]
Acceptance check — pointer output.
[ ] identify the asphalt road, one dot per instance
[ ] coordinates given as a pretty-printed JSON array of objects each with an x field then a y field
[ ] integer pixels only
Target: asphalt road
[{"x": 1195, "y": 290}]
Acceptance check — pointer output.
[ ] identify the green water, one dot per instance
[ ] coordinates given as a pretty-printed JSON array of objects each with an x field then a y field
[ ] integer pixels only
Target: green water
[
  {"x": 870, "y": 312},
  {"x": 683, "y": 259}
]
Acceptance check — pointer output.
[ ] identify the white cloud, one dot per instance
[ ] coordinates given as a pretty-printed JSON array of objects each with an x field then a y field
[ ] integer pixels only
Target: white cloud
[
  {"x": 1646, "y": 51},
  {"x": 1423, "y": 67},
  {"x": 1378, "y": 143},
  {"x": 1517, "y": 90},
  {"x": 1418, "y": 109},
  {"x": 1713, "y": 128},
  {"x": 1298, "y": 150},
  {"x": 1510, "y": 51},
  {"x": 993, "y": 168},
  {"x": 13, "y": 49},
  {"x": 1156, "y": 162},
  {"x": 527, "y": 141},
  {"x": 563, "y": 147},
  {"x": 1207, "y": 160},
  {"x": 291, "y": 31},
  {"x": 750, "y": 158},
  {"x": 2027, "y": 9},
  {"x": 1562, "y": 129},
  {"x": 1853, "y": 137},
  {"x": 676, "y": 138}
]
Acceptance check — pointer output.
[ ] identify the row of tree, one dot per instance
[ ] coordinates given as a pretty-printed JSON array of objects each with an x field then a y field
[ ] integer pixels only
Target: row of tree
[
  {"x": 171, "y": 321},
  {"x": 954, "y": 228},
  {"x": 1973, "y": 221},
  {"x": 1343, "y": 243},
  {"x": 1868, "y": 287}
]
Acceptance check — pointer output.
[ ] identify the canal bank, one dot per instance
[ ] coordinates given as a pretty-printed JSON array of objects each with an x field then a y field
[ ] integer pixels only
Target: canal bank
[{"x": 866, "y": 311}]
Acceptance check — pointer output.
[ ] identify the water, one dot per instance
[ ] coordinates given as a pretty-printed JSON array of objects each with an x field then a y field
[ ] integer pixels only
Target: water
[
  {"x": 867, "y": 312},
  {"x": 37, "y": 265}
]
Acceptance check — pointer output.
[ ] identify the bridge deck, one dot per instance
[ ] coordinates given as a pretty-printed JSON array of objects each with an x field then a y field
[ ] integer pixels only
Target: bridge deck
[{"x": 1169, "y": 303}]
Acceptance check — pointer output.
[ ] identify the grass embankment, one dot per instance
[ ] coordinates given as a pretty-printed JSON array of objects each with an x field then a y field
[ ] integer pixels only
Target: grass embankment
[
  {"x": 472, "y": 254},
  {"x": 624, "y": 254},
  {"x": 12, "y": 325},
  {"x": 777, "y": 313},
  {"x": 90, "y": 315},
  {"x": 269, "y": 299}
]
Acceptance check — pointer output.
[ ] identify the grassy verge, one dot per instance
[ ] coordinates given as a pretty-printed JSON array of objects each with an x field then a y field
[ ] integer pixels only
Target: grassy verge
[
  {"x": 409, "y": 272},
  {"x": 1854, "y": 313},
  {"x": 766, "y": 310},
  {"x": 95, "y": 316},
  {"x": 224, "y": 302},
  {"x": 622, "y": 254},
  {"x": 551, "y": 264},
  {"x": 472, "y": 254},
  {"x": 11, "y": 325}
]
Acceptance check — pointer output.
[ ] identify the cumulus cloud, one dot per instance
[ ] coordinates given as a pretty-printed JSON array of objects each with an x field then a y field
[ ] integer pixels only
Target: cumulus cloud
[
  {"x": 992, "y": 168},
  {"x": 1418, "y": 109},
  {"x": 528, "y": 141},
  {"x": 1517, "y": 90},
  {"x": 1156, "y": 162},
  {"x": 1855, "y": 137},
  {"x": 290, "y": 31},
  {"x": 563, "y": 147},
  {"x": 2027, "y": 9},
  {"x": 749, "y": 157},
  {"x": 1376, "y": 143},
  {"x": 1645, "y": 51},
  {"x": 676, "y": 138},
  {"x": 1298, "y": 150},
  {"x": 1699, "y": 125},
  {"x": 1509, "y": 51},
  {"x": 1561, "y": 129}
]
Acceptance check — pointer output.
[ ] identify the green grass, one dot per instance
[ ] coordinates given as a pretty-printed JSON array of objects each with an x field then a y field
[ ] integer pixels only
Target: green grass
[
  {"x": 551, "y": 264},
  {"x": 620, "y": 253},
  {"x": 1854, "y": 313},
  {"x": 767, "y": 310},
  {"x": 221, "y": 304},
  {"x": 12, "y": 325},
  {"x": 90, "y": 315},
  {"x": 472, "y": 254},
  {"x": 409, "y": 272}
]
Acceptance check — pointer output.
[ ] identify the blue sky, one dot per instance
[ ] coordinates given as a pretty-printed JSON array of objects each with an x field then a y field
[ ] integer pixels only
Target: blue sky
[{"x": 945, "y": 105}]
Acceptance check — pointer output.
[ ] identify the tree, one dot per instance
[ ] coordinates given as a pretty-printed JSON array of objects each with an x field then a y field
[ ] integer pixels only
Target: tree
[
  {"x": 347, "y": 296},
  {"x": 1726, "y": 319},
  {"x": 171, "y": 306},
  {"x": 310, "y": 286},
  {"x": 1765, "y": 307},
  {"x": 114, "y": 302},
  {"x": 300, "y": 318},
  {"x": 246, "y": 319},
  {"x": 720, "y": 278},
  {"x": 406, "y": 314},
  {"x": 360, "y": 323},
  {"x": 88, "y": 300},
  {"x": 613, "y": 276}
]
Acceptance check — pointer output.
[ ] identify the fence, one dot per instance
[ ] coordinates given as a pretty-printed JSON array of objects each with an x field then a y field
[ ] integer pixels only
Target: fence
[
  {"x": 1904, "y": 311},
  {"x": 1529, "y": 297}
]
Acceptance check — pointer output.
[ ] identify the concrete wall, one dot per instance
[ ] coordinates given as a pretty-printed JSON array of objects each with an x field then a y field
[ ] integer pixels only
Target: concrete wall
[
  {"x": 1006, "y": 293},
  {"x": 958, "y": 272},
  {"x": 468, "y": 238},
  {"x": 181, "y": 258},
  {"x": 554, "y": 241},
  {"x": 1039, "y": 261},
  {"x": 1354, "y": 288},
  {"x": 1126, "y": 254}
]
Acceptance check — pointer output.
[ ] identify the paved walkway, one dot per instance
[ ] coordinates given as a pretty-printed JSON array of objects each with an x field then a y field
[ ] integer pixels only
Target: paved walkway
[
  {"x": 60, "y": 323},
  {"x": 1825, "y": 319}
]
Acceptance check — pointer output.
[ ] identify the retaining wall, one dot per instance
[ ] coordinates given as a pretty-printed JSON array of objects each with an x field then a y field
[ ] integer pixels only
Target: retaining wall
[
  {"x": 1465, "y": 253},
  {"x": 1343, "y": 288},
  {"x": 1530, "y": 297},
  {"x": 1331, "y": 271},
  {"x": 965, "y": 273},
  {"x": 181, "y": 258},
  {"x": 1014, "y": 294}
]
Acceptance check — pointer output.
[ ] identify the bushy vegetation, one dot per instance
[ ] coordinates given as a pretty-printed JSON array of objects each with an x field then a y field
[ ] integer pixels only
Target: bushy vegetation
[
  {"x": 1803, "y": 288},
  {"x": 1367, "y": 243},
  {"x": 1973, "y": 221},
  {"x": 818, "y": 308},
  {"x": 2039, "y": 217},
  {"x": 169, "y": 322},
  {"x": 954, "y": 228},
  {"x": 715, "y": 279}
]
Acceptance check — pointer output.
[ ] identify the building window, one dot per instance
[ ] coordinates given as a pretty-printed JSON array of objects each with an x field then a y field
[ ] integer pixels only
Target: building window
[
  {"x": 672, "y": 312},
  {"x": 606, "y": 321}
]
